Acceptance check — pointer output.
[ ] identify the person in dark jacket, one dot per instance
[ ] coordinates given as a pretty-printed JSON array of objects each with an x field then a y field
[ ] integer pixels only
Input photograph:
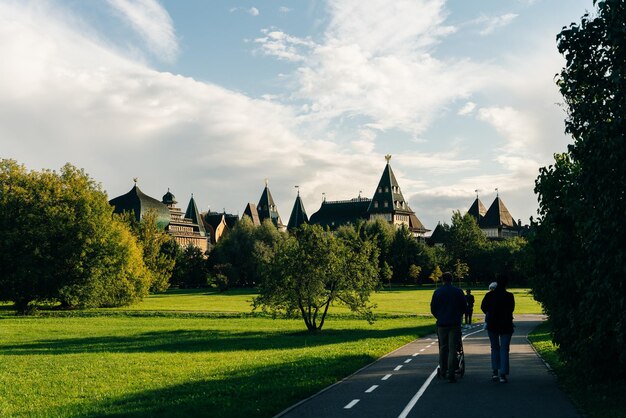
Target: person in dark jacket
[
  {"x": 448, "y": 306},
  {"x": 498, "y": 306},
  {"x": 469, "y": 299}
]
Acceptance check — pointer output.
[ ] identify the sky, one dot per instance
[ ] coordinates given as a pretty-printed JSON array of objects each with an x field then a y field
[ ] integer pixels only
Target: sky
[{"x": 213, "y": 98}]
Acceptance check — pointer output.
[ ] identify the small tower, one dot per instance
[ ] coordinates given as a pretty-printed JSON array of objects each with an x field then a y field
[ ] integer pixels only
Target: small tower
[
  {"x": 298, "y": 213},
  {"x": 267, "y": 208}
]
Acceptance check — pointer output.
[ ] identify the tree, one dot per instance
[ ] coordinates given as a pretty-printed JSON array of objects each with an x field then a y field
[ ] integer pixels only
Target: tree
[
  {"x": 403, "y": 253},
  {"x": 436, "y": 274},
  {"x": 192, "y": 269},
  {"x": 577, "y": 243},
  {"x": 465, "y": 238},
  {"x": 155, "y": 245},
  {"x": 60, "y": 242},
  {"x": 461, "y": 270},
  {"x": 314, "y": 269},
  {"x": 381, "y": 233}
]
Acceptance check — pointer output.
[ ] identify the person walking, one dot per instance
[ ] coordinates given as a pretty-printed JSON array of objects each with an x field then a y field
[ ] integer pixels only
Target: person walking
[
  {"x": 448, "y": 306},
  {"x": 469, "y": 300},
  {"x": 498, "y": 306}
]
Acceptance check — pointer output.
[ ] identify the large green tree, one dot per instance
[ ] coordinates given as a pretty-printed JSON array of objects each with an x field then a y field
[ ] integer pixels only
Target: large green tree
[
  {"x": 60, "y": 242},
  {"x": 314, "y": 269},
  {"x": 155, "y": 244},
  {"x": 578, "y": 244}
]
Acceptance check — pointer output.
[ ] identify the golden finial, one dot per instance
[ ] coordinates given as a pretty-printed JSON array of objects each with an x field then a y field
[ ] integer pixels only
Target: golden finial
[
  {"x": 266, "y": 182},
  {"x": 388, "y": 157},
  {"x": 135, "y": 179}
]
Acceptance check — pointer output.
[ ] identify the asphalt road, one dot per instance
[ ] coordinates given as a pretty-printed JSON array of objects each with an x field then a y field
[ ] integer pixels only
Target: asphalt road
[{"x": 403, "y": 384}]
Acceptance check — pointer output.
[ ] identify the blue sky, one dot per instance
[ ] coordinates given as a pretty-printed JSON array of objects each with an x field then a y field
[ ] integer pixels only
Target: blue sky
[{"x": 213, "y": 97}]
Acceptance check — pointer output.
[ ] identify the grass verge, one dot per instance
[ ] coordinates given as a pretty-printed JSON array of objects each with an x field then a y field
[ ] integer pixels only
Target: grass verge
[
  {"x": 181, "y": 365},
  {"x": 596, "y": 400}
]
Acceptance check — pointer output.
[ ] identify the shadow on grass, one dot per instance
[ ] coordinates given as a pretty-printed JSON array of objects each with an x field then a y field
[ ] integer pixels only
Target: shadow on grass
[
  {"x": 205, "y": 340},
  {"x": 251, "y": 392}
]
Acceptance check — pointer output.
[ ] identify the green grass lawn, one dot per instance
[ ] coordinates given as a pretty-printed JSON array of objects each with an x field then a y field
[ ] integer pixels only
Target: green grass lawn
[
  {"x": 194, "y": 352},
  {"x": 394, "y": 301},
  {"x": 596, "y": 400}
]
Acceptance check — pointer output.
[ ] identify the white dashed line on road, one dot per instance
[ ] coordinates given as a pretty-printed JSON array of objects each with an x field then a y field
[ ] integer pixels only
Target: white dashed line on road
[
  {"x": 351, "y": 404},
  {"x": 416, "y": 354},
  {"x": 423, "y": 349},
  {"x": 407, "y": 360},
  {"x": 397, "y": 368},
  {"x": 385, "y": 377},
  {"x": 371, "y": 389}
]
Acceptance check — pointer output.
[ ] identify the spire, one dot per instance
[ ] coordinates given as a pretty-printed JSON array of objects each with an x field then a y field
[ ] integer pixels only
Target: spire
[
  {"x": 388, "y": 197},
  {"x": 193, "y": 213},
  {"x": 498, "y": 216},
  {"x": 477, "y": 210},
  {"x": 267, "y": 208},
  {"x": 298, "y": 214}
]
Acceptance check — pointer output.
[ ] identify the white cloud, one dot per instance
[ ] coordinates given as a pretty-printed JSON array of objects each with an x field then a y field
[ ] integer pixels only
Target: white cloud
[
  {"x": 467, "y": 109},
  {"x": 491, "y": 23},
  {"x": 252, "y": 11},
  {"x": 153, "y": 23},
  {"x": 375, "y": 61},
  {"x": 73, "y": 99},
  {"x": 284, "y": 9},
  {"x": 283, "y": 46}
]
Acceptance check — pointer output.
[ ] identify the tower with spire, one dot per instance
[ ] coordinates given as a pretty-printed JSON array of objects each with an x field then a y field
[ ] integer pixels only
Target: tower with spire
[
  {"x": 267, "y": 208},
  {"x": 498, "y": 222},
  {"x": 186, "y": 228},
  {"x": 477, "y": 210},
  {"x": 298, "y": 213},
  {"x": 389, "y": 203}
]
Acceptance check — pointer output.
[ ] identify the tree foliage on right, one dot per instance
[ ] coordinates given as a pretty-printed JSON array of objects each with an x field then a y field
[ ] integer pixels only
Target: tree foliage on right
[{"x": 578, "y": 242}]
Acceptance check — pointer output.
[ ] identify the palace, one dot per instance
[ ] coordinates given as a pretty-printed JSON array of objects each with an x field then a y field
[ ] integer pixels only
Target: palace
[{"x": 203, "y": 229}]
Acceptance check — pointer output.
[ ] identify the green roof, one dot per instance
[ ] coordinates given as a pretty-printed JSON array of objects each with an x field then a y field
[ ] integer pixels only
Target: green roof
[{"x": 139, "y": 204}]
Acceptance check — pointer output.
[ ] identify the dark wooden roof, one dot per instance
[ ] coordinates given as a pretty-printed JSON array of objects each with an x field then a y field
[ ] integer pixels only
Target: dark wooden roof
[
  {"x": 498, "y": 216},
  {"x": 193, "y": 214},
  {"x": 231, "y": 219},
  {"x": 388, "y": 197},
  {"x": 477, "y": 210},
  {"x": 139, "y": 203},
  {"x": 267, "y": 208},
  {"x": 415, "y": 224},
  {"x": 337, "y": 213},
  {"x": 439, "y": 235},
  {"x": 298, "y": 214},
  {"x": 169, "y": 198},
  {"x": 251, "y": 212}
]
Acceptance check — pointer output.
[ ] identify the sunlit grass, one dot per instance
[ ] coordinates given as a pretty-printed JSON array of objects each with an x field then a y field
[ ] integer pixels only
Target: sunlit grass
[
  {"x": 397, "y": 300},
  {"x": 187, "y": 352},
  {"x": 181, "y": 366}
]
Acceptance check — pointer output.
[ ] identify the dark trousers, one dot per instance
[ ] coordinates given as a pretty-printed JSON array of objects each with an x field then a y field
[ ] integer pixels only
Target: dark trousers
[
  {"x": 468, "y": 316},
  {"x": 449, "y": 337}
]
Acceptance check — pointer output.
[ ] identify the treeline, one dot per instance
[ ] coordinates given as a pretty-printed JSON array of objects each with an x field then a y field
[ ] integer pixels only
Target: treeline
[
  {"x": 62, "y": 244},
  {"x": 237, "y": 260}
]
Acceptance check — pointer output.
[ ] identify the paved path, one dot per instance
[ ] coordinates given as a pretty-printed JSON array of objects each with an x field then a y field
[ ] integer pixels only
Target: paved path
[{"x": 403, "y": 384}]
